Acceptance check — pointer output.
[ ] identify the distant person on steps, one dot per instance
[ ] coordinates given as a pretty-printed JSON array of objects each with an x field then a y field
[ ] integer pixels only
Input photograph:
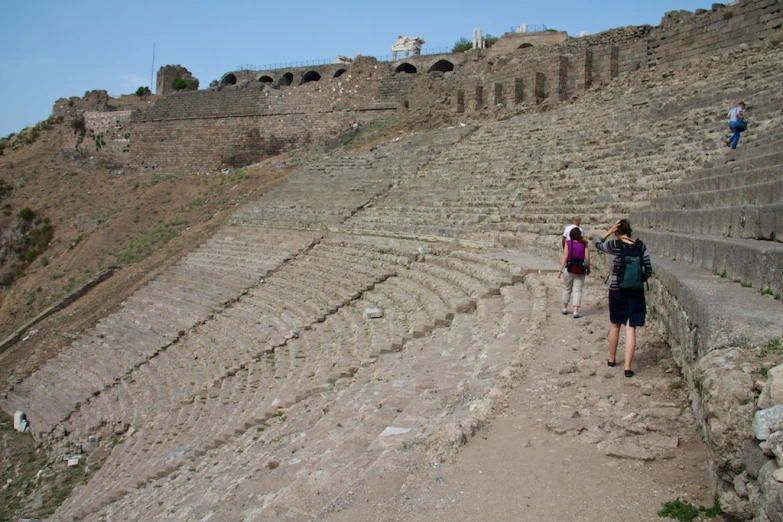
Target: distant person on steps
[
  {"x": 737, "y": 124},
  {"x": 626, "y": 306},
  {"x": 575, "y": 222}
]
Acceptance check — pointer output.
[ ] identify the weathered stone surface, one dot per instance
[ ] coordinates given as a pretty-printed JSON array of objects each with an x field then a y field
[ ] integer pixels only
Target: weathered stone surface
[
  {"x": 753, "y": 458},
  {"x": 772, "y": 394},
  {"x": 768, "y": 505},
  {"x": 775, "y": 442},
  {"x": 626, "y": 450},
  {"x": 728, "y": 402},
  {"x": 767, "y": 421}
]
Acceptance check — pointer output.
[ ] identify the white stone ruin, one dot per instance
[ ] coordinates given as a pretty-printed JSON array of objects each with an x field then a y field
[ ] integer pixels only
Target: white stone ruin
[
  {"x": 409, "y": 46},
  {"x": 343, "y": 59},
  {"x": 478, "y": 39}
]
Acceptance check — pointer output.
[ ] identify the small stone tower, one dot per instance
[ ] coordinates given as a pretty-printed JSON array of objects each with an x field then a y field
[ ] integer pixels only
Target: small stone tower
[{"x": 169, "y": 73}]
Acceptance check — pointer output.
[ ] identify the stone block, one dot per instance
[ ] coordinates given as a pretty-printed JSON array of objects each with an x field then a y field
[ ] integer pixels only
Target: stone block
[
  {"x": 753, "y": 458},
  {"x": 767, "y": 421},
  {"x": 772, "y": 394}
]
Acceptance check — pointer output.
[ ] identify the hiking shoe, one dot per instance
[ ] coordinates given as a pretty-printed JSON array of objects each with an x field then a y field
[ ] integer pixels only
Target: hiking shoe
[
  {"x": 563, "y": 311},
  {"x": 576, "y": 315},
  {"x": 629, "y": 373}
]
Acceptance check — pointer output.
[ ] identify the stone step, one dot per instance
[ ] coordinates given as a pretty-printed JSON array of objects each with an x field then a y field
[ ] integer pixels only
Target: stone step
[
  {"x": 743, "y": 221},
  {"x": 766, "y": 193},
  {"x": 756, "y": 263}
]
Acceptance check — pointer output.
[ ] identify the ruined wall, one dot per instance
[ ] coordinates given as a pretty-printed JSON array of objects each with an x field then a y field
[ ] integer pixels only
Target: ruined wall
[
  {"x": 169, "y": 73},
  {"x": 248, "y": 120},
  {"x": 560, "y": 72},
  {"x": 249, "y": 115}
]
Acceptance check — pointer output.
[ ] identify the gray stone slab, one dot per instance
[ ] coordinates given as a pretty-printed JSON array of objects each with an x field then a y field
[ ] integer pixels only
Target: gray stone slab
[
  {"x": 525, "y": 261},
  {"x": 721, "y": 313},
  {"x": 756, "y": 263}
]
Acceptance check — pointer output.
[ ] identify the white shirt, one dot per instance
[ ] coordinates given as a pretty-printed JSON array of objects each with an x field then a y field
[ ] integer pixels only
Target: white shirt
[
  {"x": 569, "y": 228},
  {"x": 736, "y": 113}
]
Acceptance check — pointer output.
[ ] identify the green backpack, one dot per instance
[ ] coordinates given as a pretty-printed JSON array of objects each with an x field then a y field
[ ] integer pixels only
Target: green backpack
[{"x": 631, "y": 273}]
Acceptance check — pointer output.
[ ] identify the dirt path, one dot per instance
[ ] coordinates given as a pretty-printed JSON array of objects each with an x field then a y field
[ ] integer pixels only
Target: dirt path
[{"x": 545, "y": 457}]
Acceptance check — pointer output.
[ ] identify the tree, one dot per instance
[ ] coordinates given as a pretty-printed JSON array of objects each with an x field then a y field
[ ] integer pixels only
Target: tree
[
  {"x": 141, "y": 92},
  {"x": 179, "y": 84},
  {"x": 462, "y": 45}
]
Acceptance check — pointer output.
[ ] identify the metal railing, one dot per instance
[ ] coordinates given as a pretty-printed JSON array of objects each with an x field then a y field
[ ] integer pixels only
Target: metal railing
[
  {"x": 531, "y": 28},
  {"x": 327, "y": 61}
]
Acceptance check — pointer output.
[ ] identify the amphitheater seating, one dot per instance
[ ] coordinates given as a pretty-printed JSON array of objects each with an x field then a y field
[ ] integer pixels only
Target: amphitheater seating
[
  {"x": 151, "y": 319},
  {"x": 250, "y": 369},
  {"x": 166, "y": 417}
]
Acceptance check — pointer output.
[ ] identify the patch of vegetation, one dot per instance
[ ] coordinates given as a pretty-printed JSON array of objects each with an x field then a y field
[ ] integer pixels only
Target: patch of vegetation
[
  {"x": 99, "y": 142},
  {"x": 462, "y": 45},
  {"x": 78, "y": 125},
  {"x": 772, "y": 347},
  {"x": 143, "y": 91},
  {"x": 684, "y": 511},
  {"x": 179, "y": 84},
  {"x": 141, "y": 246},
  {"x": 767, "y": 291},
  {"x": 160, "y": 179},
  {"x": 22, "y": 243}
]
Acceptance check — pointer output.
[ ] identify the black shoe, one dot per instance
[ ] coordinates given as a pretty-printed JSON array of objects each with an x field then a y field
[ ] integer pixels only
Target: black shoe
[
  {"x": 629, "y": 373},
  {"x": 611, "y": 364}
]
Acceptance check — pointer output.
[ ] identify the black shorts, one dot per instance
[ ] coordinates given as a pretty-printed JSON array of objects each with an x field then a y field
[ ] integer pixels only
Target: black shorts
[{"x": 627, "y": 307}]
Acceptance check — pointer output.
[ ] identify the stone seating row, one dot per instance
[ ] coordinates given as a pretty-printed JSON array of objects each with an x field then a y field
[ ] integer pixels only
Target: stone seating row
[
  {"x": 331, "y": 404},
  {"x": 150, "y": 320}
]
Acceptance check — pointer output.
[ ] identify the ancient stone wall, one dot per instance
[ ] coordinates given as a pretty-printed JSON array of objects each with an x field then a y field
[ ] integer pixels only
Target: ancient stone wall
[
  {"x": 532, "y": 74},
  {"x": 249, "y": 115},
  {"x": 108, "y": 133}
]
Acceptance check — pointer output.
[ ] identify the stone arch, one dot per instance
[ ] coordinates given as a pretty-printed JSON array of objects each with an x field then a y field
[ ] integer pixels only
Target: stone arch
[
  {"x": 229, "y": 79},
  {"x": 406, "y": 68},
  {"x": 310, "y": 76},
  {"x": 339, "y": 72},
  {"x": 286, "y": 79},
  {"x": 525, "y": 45},
  {"x": 442, "y": 66},
  {"x": 266, "y": 79}
]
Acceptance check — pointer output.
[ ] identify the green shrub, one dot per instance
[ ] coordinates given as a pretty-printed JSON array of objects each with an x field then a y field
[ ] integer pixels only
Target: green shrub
[
  {"x": 78, "y": 126},
  {"x": 143, "y": 91},
  {"x": 462, "y": 45},
  {"x": 178, "y": 84},
  {"x": 490, "y": 40},
  {"x": 26, "y": 214},
  {"x": 684, "y": 511}
]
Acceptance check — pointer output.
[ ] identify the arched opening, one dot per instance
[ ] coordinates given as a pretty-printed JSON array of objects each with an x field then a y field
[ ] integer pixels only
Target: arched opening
[
  {"x": 339, "y": 73},
  {"x": 229, "y": 79},
  {"x": 406, "y": 68},
  {"x": 286, "y": 79},
  {"x": 266, "y": 79},
  {"x": 310, "y": 76},
  {"x": 525, "y": 46},
  {"x": 442, "y": 66}
]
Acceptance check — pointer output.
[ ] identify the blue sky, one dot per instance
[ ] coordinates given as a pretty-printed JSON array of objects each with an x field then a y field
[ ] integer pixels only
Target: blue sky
[{"x": 51, "y": 49}]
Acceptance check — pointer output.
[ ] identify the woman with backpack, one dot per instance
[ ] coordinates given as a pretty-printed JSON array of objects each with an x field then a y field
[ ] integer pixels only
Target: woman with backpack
[
  {"x": 576, "y": 261},
  {"x": 631, "y": 267}
]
